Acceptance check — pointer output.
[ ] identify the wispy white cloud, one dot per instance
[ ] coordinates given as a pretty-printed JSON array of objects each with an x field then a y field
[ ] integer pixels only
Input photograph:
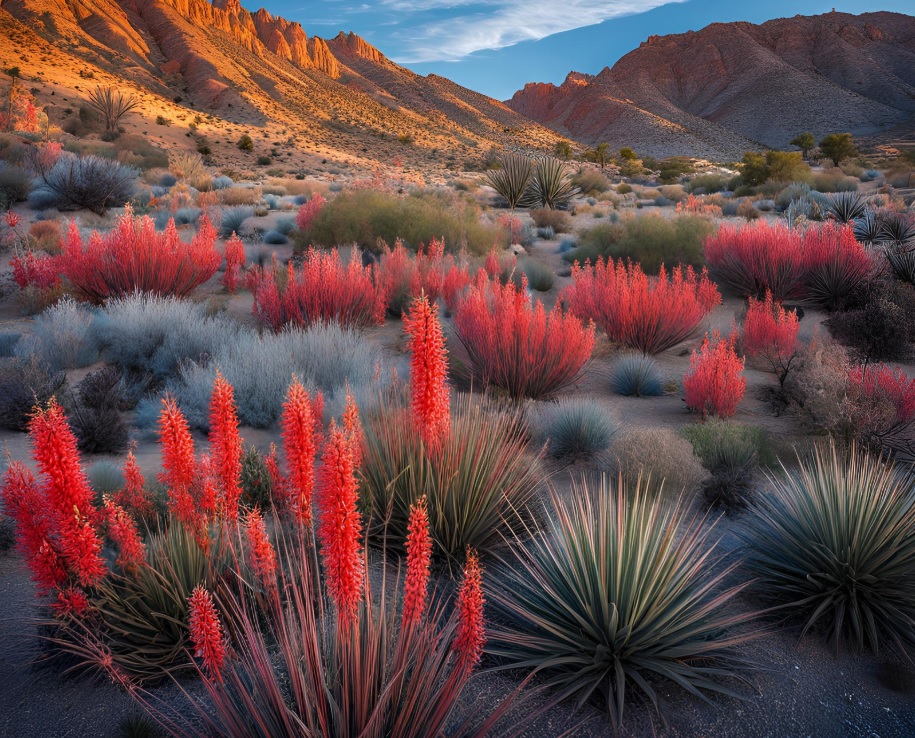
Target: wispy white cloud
[{"x": 449, "y": 30}]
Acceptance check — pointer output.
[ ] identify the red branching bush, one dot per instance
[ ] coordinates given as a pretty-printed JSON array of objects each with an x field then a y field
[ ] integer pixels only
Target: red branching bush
[
  {"x": 322, "y": 289},
  {"x": 134, "y": 257},
  {"x": 206, "y": 632},
  {"x": 471, "y": 633},
  {"x": 770, "y": 334},
  {"x": 235, "y": 263},
  {"x": 645, "y": 313},
  {"x": 429, "y": 393},
  {"x": 261, "y": 555},
  {"x": 178, "y": 463},
  {"x": 340, "y": 526},
  {"x": 226, "y": 444},
  {"x": 698, "y": 206},
  {"x": 122, "y": 530},
  {"x": 309, "y": 211},
  {"x": 714, "y": 384},
  {"x": 36, "y": 270},
  {"x": 880, "y": 405},
  {"x": 821, "y": 264},
  {"x": 432, "y": 272},
  {"x": 518, "y": 346},
  {"x": 301, "y": 424},
  {"x": 419, "y": 558}
]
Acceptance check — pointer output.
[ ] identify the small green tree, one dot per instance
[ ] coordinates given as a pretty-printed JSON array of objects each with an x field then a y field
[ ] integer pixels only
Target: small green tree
[
  {"x": 245, "y": 143},
  {"x": 600, "y": 154},
  {"x": 754, "y": 170},
  {"x": 805, "y": 142},
  {"x": 786, "y": 166},
  {"x": 564, "y": 150},
  {"x": 628, "y": 154},
  {"x": 838, "y": 146}
]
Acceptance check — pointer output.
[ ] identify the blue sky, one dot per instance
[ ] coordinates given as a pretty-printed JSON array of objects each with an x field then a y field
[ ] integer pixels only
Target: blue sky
[{"x": 495, "y": 46}]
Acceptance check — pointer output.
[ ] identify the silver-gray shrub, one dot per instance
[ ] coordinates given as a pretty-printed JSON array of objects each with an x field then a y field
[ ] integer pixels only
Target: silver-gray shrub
[
  {"x": 62, "y": 337},
  {"x": 89, "y": 182}
]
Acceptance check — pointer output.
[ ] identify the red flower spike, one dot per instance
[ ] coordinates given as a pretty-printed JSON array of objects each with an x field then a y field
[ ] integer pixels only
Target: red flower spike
[
  {"x": 225, "y": 445},
  {"x": 340, "y": 526},
  {"x": 299, "y": 446},
  {"x": 353, "y": 427},
  {"x": 177, "y": 461},
  {"x": 134, "y": 497},
  {"x": 261, "y": 554},
  {"x": 206, "y": 632},
  {"x": 471, "y": 635},
  {"x": 419, "y": 556},
  {"x": 123, "y": 532},
  {"x": 431, "y": 399},
  {"x": 70, "y": 602}
]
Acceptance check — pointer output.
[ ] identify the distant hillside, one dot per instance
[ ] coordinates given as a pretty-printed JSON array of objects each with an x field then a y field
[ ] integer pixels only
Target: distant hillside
[{"x": 730, "y": 86}]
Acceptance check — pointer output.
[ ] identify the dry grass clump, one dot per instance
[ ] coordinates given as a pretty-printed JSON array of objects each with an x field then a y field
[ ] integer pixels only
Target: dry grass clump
[
  {"x": 660, "y": 453},
  {"x": 240, "y": 196}
]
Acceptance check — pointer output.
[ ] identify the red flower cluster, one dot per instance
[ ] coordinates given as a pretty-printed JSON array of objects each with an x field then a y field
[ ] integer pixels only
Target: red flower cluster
[
  {"x": 419, "y": 557},
  {"x": 301, "y": 424},
  {"x": 518, "y": 346},
  {"x": 340, "y": 526},
  {"x": 309, "y": 211},
  {"x": 325, "y": 289},
  {"x": 648, "y": 314},
  {"x": 235, "y": 262},
  {"x": 714, "y": 384},
  {"x": 260, "y": 552},
  {"x": 431, "y": 399},
  {"x": 352, "y": 426},
  {"x": 225, "y": 445},
  {"x": 135, "y": 257},
  {"x": 770, "y": 333},
  {"x": 206, "y": 632},
  {"x": 122, "y": 530},
  {"x": 178, "y": 463},
  {"x": 471, "y": 632},
  {"x": 133, "y": 497}
]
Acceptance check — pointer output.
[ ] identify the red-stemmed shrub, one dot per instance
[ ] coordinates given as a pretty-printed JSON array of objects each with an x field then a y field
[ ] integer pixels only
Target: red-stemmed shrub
[
  {"x": 323, "y": 288},
  {"x": 431, "y": 272},
  {"x": 880, "y": 406},
  {"x": 134, "y": 257},
  {"x": 309, "y": 211},
  {"x": 235, "y": 263},
  {"x": 835, "y": 264},
  {"x": 650, "y": 314},
  {"x": 770, "y": 335},
  {"x": 518, "y": 346},
  {"x": 36, "y": 270},
  {"x": 714, "y": 384}
]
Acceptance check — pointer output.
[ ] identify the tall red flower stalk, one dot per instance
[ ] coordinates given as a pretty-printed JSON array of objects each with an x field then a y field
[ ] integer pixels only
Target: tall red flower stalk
[
  {"x": 419, "y": 557},
  {"x": 651, "y": 314},
  {"x": 226, "y": 445},
  {"x": 134, "y": 497},
  {"x": 430, "y": 396},
  {"x": 300, "y": 444},
  {"x": 471, "y": 632},
  {"x": 352, "y": 426},
  {"x": 178, "y": 463},
  {"x": 261, "y": 555},
  {"x": 340, "y": 526},
  {"x": 714, "y": 384},
  {"x": 68, "y": 493},
  {"x": 206, "y": 632},
  {"x": 122, "y": 530}
]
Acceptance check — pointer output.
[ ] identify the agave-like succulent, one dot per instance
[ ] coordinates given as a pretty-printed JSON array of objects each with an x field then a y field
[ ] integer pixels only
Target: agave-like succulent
[
  {"x": 620, "y": 589},
  {"x": 835, "y": 545},
  {"x": 512, "y": 178},
  {"x": 846, "y": 206},
  {"x": 551, "y": 185},
  {"x": 868, "y": 228}
]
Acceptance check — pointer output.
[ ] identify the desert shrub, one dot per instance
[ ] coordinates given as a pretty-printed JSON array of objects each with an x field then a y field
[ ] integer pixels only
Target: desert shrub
[
  {"x": 880, "y": 326},
  {"x": 150, "y": 334},
  {"x": 105, "y": 478},
  {"x": 517, "y": 346},
  {"x": 770, "y": 335},
  {"x": 323, "y": 288},
  {"x": 834, "y": 182},
  {"x": 222, "y": 182},
  {"x": 86, "y": 182},
  {"x": 364, "y": 216},
  {"x": 275, "y": 238},
  {"x": 618, "y": 591},
  {"x": 256, "y": 481},
  {"x": 235, "y": 196},
  {"x": 260, "y": 367},
  {"x": 576, "y": 428},
  {"x": 732, "y": 453},
  {"x": 705, "y": 184},
  {"x": 833, "y": 546},
  {"x": 558, "y": 220},
  {"x": 747, "y": 211},
  {"x": 46, "y": 235},
  {"x": 95, "y": 416},
  {"x": 15, "y": 184},
  {"x": 539, "y": 276},
  {"x": 431, "y": 272},
  {"x": 182, "y": 216},
  {"x": 547, "y": 234},
  {"x": 662, "y": 455},
  {"x": 651, "y": 240},
  {"x": 714, "y": 383},
  {"x": 8, "y": 343},
  {"x": 589, "y": 181},
  {"x": 187, "y": 166},
  {"x": 24, "y": 385},
  {"x": 245, "y": 143},
  {"x": 233, "y": 218},
  {"x": 636, "y": 375},
  {"x": 134, "y": 257},
  {"x": 284, "y": 226},
  {"x": 650, "y": 315},
  {"x": 62, "y": 337}
]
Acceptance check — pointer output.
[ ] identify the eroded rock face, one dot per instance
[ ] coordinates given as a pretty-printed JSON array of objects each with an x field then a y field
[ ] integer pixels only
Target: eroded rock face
[
  {"x": 322, "y": 58},
  {"x": 733, "y": 82}
]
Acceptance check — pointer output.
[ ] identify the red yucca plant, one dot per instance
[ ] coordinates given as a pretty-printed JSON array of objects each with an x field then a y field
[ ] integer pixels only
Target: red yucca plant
[
  {"x": 134, "y": 257},
  {"x": 648, "y": 314},
  {"x": 133, "y": 496},
  {"x": 517, "y": 346},
  {"x": 122, "y": 530},
  {"x": 429, "y": 392},
  {"x": 323, "y": 288},
  {"x": 226, "y": 444},
  {"x": 770, "y": 334},
  {"x": 714, "y": 384},
  {"x": 235, "y": 262},
  {"x": 301, "y": 425},
  {"x": 206, "y": 632}
]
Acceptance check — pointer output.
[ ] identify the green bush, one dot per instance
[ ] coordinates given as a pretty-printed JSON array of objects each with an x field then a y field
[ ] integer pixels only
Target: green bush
[
  {"x": 245, "y": 143},
  {"x": 590, "y": 182},
  {"x": 660, "y": 453},
  {"x": 364, "y": 216},
  {"x": 648, "y": 239},
  {"x": 834, "y": 181},
  {"x": 539, "y": 276},
  {"x": 707, "y": 183},
  {"x": 619, "y": 591},
  {"x": 670, "y": 170},
  {"x": 15, "y": 184}
]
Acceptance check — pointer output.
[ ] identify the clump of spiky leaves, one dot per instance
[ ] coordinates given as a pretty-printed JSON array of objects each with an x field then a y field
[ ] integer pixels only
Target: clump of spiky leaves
[
  {"x": 551, "y": 185},
  {"x": 846, "y": 207},
  {"x": 577, "y": 428},
  {"x": 482, "y": 474},
  {"x": 512, "y": 177},
  {"x": 619, "y": 591},
  {"x": 835, "y": 546},
  {"x": 636, "y": 375}
]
